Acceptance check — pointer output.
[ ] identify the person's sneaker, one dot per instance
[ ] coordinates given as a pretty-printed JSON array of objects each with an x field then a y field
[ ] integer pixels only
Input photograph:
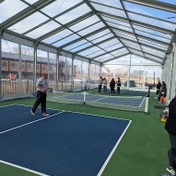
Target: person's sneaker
[
  {"x": 166, "y": 175},
  {"x": 32, "y": 113},
  {"x": 170, "y": 170},
  {"x": 45, "y": 114}
]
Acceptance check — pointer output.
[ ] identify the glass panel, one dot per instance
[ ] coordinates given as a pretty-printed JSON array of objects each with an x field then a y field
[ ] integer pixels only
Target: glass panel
[
  {"x": 9, "y": 68},
  {"x": 102, "y": 38},
  {"x": 152, "y": 73},
  {"x": 66, "y": 40},
  {"x": 125, "y": 35},
  {"x": 131, "y": 44},
  {"x": 118, "y": 26},
  {"x": 137, "y": 74},
  {"x": 147, "y": 31},
  {"x": 84, "y": 23},
  {"x": 103, "y": 58},
  {"x": 91, "y": 29},
  {"x": 113, "y": 47},
  {"x": 153, "y": 36},
  {"x": 57, "y": 36},
  {"x": 152, "y": 21},
  {"x": 99, "y": 34},
  {"x": 114, "y": 3},
  {"x": 81, "y": 47},
  {"x": 9, "y": 47},
  {"x": 106, "y": 9},
  {"x": 52, "y": 71},
  {"x": 43, "y": 29},
  {"x": 120, "y": 52},
  {"x": 153, "y": 43},
  {"x": 89, "y": 51},
  {"x": 136, "y": 60},
  {"x": 136, "y": 52},
  {"x": 73, "y": 14},
  {"x": 42, "y": 63},
  {"x": 149, "y": 11},
  {"x": 94, "y": 74},
  {"x": 16, "y": 70},
  {"x": 28, "y": 23},
  {"x": 74, "y": 45},
  {"x": 154, "y": 58},
  {"x": 27, "y": 69},
  {"x": 116, "y": 21},
  {"x": 59, "y": 6},
  {"x": 97, "y": 53},
  {"x": 77, "y": 73},
  {"x": 106, "y": 74},
  {"x": 64, "y": 75},
  {"x": 108, "y": 43},
  {"x": 125, "y": 60},
  {"x": 168, "y": 1},
  {"x": 153, "y": 51},
  {"x": 85, "y": 73},
  {"x": 8, "y": 10}
]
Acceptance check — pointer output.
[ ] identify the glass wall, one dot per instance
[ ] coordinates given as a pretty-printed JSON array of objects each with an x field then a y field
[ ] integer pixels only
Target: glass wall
[
  {"x": 16, "y": 70},
  {"x": 9, "y": 68},
  {"x": 26, "y": 69},
  {"x": 77, "y": 73},
  {"x": 140, "y": 72},
  {"x": 52, "y": 72},
  {"x": 64, "y": 73}
]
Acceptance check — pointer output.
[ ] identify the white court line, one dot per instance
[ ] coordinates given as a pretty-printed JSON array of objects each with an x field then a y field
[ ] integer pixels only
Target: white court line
[
  {"x": 96, "y": 115},
  {"x": 142, "y": 101},
  {"x": 99, "y": 99},
  {"x": 113, "y": 150},
  {"x": 20, "y": 126},
  {"x": 23, "y": 168}
]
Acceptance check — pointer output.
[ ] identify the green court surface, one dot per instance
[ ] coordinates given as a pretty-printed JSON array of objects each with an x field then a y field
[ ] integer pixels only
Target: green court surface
[{"x": 142, "y": 151}]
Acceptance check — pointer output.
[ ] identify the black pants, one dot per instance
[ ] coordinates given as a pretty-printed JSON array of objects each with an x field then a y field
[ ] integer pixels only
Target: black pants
[
  {"x": 112, "y": 90},
  {"x": 172, "y": 150},
  {"x": 99, "y": 88},
  {"x": 41, "y": 99},
  {"x": 118, "y": 90}
]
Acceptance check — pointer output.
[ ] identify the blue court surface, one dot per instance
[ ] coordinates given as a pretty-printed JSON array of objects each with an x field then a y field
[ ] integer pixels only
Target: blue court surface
[
  {"x": 62, "y": 144},
  {"x": 129, "y": 92}
]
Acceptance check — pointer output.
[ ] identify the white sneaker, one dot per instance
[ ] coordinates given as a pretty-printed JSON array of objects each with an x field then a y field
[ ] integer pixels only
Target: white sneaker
[
  {"x": 32, "y": 113},
  {"x": 170, "y": 170},
  {"x": 45, "y": 114}
]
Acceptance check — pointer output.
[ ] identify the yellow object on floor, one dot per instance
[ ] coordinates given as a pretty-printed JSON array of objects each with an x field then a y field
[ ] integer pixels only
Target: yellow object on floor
[{"x": 163, "y": 119}]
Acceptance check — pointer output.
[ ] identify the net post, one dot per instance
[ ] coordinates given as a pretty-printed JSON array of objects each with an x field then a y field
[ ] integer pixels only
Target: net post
[
  {"x": 146, "y": 104},
  {"x": 148, "y": 93},
  {"x": 84, "y": 97}
]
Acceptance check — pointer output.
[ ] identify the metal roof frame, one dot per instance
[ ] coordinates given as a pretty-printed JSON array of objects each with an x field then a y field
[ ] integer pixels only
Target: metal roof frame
[{"x": 107, "y": 24}]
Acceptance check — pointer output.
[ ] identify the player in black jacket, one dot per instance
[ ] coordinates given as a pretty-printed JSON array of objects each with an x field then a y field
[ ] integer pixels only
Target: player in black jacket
[{"x": 170, "y": 126}]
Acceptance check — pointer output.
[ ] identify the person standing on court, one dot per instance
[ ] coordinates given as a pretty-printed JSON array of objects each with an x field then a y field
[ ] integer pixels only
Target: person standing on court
[
  {"x": 42, "y": 86},
  {"x": 170, "y": 127},
  {"x": 173, "y": 162},
  {"x": 100, "y": 84},
  {"x": 118, "y": 85},
  {"x": 105, "y": 85},
  {"x": 158, "y": 86},
  {"x": 112, "y": 85},
  {"x": 162, "y": 91}
]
